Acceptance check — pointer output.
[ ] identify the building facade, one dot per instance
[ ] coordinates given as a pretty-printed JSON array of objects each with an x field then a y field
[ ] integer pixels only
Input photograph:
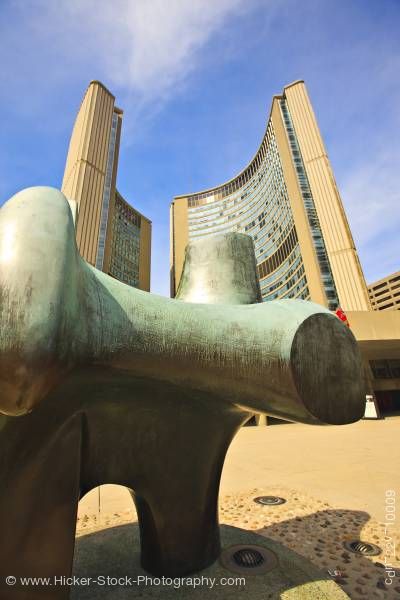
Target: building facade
[
  {"x": 102, "y": 215},
  {"x": 130, "y": 245},
  {"x": 287, "y": 200},
  {"x": 384, "y": 294}
]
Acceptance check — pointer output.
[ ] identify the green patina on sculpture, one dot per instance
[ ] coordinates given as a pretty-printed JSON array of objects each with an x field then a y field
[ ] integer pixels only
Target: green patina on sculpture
[
  {"x": 103, "y": 383},
  {"x": 220, "y": 269}
]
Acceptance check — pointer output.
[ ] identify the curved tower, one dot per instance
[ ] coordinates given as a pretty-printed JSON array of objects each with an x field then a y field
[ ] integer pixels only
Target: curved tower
[
  {"x": 286, "y": 199},
  {"x": 91, "y": 171},
  {"x": 110, "y": 234}
]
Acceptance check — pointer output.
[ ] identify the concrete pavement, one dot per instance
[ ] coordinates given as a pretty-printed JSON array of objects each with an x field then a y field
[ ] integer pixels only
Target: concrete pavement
[{"x": 348, "y": 466}]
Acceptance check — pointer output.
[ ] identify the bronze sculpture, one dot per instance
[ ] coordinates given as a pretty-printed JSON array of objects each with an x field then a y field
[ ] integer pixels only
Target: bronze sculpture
[
  {"x": 220, "y": 269},
  {"x": 102, "y": 383}
]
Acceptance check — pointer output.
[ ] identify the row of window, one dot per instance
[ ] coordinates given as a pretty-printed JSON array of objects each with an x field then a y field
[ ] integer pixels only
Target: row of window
[
  {"x": 276, "y": 215},
  {"x": 125, "y": 254},
  {"x": 274, "y": 261},
  {"x": 298, "y": 291},
  {"x": 272, "y": 190},
  {"x": 262, "y": 209},
  {"x": 274, "y": 193},
  {"x": 286, "y": 270},
  {"x": 385, "y": 291},
  {"x": 106, "y": 193},
  {"x": 240, "y": 181},
  {"x": 383, "y": 284}
]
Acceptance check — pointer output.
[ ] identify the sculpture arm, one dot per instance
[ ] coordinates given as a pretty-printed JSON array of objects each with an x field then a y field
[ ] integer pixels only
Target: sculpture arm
[{"x": 57, "y": 312}]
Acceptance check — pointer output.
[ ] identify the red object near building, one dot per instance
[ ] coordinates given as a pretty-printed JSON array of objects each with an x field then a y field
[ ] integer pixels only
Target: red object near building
[{"x": 342, "y": 316}]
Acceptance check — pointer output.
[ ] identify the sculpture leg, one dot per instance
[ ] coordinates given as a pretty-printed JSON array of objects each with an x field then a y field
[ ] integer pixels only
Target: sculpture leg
[
  {"x": 39, "y": 480},
  {"x": 178, "y": 506}
]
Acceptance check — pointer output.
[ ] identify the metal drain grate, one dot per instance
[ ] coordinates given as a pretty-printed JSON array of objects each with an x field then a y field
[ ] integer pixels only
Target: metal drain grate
[
  {"x": 363, "y": 548},
  {"x": 249, "y": 560},
  {"x": 269, "y": 500}
]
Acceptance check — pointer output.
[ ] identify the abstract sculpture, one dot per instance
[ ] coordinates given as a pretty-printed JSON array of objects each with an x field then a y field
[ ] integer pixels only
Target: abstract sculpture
[
  {"x": 220, "y": 269},
  {"x": 103, "y": 383}
]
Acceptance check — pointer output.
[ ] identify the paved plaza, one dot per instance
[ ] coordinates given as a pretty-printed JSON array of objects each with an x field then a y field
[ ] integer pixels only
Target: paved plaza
[
  {"x": 349, "y": 466},
  {"x": 334, "y": 480}
]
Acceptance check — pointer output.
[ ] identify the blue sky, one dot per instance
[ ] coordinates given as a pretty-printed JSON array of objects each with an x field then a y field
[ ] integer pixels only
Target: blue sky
[{"x": 195, "y": 79}]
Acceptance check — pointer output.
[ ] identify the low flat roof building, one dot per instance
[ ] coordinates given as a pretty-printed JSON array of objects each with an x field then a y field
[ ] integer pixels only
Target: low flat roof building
[
  {"x": 384, "y": 294},
  {"x": 378, "y": 335}
]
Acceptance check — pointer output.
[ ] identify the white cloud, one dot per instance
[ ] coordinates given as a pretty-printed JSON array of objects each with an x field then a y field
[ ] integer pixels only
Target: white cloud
[
  {"x": 372, "y": 198},
  {"x": 373, "y": 193},
  {"x": 145, "y": 47}
]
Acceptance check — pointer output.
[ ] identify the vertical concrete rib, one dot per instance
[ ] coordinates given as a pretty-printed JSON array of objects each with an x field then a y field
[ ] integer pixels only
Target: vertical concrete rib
[{"x": 347, "y": 273}]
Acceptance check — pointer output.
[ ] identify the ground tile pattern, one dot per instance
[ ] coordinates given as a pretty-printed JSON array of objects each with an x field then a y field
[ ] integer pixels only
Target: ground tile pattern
[
  {"x": 308, "y": 526},
  {"x": 316, "y": 530}
]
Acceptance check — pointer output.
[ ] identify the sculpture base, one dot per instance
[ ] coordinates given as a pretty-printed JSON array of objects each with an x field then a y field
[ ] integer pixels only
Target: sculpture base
[{"x": 115, "y": 553}]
